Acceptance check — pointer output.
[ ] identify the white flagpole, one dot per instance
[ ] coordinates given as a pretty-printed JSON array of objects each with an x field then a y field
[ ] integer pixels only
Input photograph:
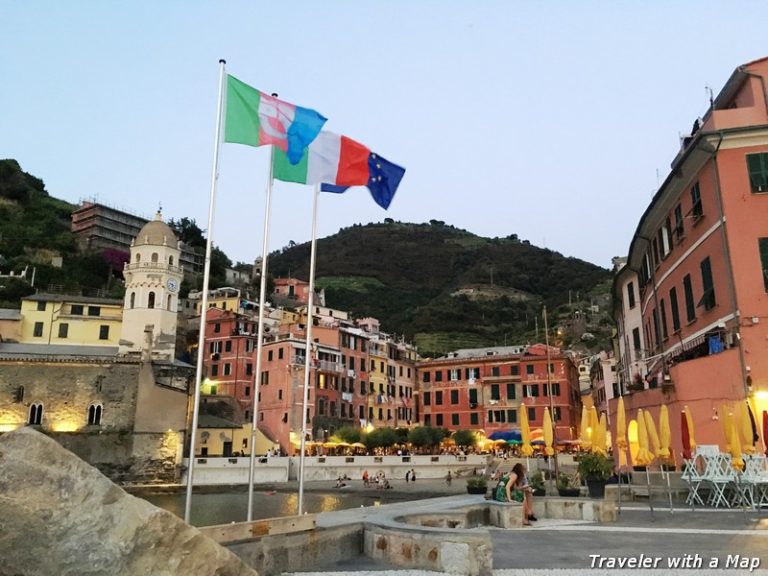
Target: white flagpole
[
  {"x": 204, "y": 303},
  {"x": 260, "y": 337},
  {"x": 308, "y": 352}
]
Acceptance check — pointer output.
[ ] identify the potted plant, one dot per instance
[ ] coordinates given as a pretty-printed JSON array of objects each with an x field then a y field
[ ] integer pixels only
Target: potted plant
[
  {"x": 595, "y": 468},
  {"x": 477, "y": 485},
  {"x": 568, "y": 485},
  {"x": 537, "y": 483}
]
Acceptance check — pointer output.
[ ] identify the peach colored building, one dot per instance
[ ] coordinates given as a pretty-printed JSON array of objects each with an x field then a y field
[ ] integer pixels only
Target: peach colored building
[
  {"x": 700, "y": 260},
  {"x": 293, "y": 289},
  {"x": 483, "y": 389}
]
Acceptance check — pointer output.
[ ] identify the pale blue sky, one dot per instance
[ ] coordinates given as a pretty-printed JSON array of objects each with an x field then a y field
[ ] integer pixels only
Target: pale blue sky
[{"x": 551, "y": 120}]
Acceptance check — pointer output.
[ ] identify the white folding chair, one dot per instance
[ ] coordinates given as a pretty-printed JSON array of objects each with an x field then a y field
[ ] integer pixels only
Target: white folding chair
[
  {"x": 693, "y": 476},
  {"x": 721, "y": 478}
]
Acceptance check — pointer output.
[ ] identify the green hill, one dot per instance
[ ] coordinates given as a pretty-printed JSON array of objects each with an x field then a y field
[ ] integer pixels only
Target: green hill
[{"x": 446, "y": 288}]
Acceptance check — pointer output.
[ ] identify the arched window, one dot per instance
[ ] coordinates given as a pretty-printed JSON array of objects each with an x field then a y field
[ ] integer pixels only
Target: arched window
[
  {"x": 170, "y": 260},
  {"x": 36, "y": 414},
  {"x": 169, "y": 303},
  {"x": 151, "y": 300},
  {"x": 94, "y": 415},
  {"x": 154, "y": 257},
  {"x": 133, "y": 299},
  {"x": 138, "y": 257},
  {"x": 19, "y": 394}
]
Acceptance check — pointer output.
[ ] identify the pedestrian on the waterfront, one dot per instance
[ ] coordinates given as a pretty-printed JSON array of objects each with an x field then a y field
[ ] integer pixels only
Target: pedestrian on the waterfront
[
  {"x": 413, "y": 475},
  {"x": 448, "y": 478},
  {"x": 407, "y": 476}
]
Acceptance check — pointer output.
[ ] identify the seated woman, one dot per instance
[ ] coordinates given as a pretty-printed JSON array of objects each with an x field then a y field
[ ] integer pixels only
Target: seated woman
[{"x": 514, "y": 487}]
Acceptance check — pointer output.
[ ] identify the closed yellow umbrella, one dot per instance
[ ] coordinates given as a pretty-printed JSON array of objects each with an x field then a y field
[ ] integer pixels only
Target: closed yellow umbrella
[
  {"x": 746, "y": 429},
  {"x": 598, "y": 444},
  {"x": 736, "y": 460},
  {"x": 584, "y": 437},
  {"x": 644, "y": 457},
  {"x": 653, "y": 436},
  {"x": 525, "y": 432},
  {"x": 689, "y": 422},
  {"x": 621, "y": 432},
  {"x": 549, "y": 435},
  {"x": 665, "y": 435},
  {"x": 727, "y": 422},
  {"x": 593, "y": 424}
]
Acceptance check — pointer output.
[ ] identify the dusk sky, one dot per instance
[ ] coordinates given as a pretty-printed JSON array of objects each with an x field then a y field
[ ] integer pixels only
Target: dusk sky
[{"x": 555, "y": 121}]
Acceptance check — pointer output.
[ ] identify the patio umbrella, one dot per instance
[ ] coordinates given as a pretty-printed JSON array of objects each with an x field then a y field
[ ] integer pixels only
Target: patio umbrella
[
  {"x": 746, "y": 429},
  {"x": 548, "y": 434},
  {"x": 525, "y": 431},
  {"x": 753, "y": 424},
  {"x": 689, "y": 427},
  {"x": 765, "y": 431},
  {"x": 686, "y": 435},
  {"x": 736, "y": 460},
  {"x": 644, "y": 457},
  {"x": 621, "y": 432},
  {"x": 586, "y": 440},
  {"x": 665, "y": 436},
  {"x": 358, "y": 445},
  {"x": 593, "y": 423},
  {"x": 653, "y": 436},
  {"x": 600, "y": 435},
  {"x": 727, "y": 421}
]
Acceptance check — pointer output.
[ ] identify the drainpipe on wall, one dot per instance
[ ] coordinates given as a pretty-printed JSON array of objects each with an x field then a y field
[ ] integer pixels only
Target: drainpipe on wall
[{"x": 727, "y": 251}]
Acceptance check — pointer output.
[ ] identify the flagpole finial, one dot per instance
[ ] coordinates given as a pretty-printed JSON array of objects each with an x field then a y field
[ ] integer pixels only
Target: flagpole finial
[{"x": 222, "y": 61}]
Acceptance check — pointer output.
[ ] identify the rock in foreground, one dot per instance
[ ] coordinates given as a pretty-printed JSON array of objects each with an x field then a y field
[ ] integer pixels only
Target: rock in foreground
[{"x": 60, "y": 516}]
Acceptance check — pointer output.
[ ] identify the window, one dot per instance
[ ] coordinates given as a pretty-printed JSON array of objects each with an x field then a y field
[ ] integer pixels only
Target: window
[
  {"x": 94, "y": 415},
  {"x": 474, "y": 420},
  {"x": 438, "y": 375},
  {"x": 708, "y": 298},
  {"x": 63, "y": 330},
  {"x": 439, "y": 420},
  {"x": 636, "y": 343},
  {"x": 674, "y": 309},
  {"x": 472, "y": 373},
  {"x": 697, "y": 211},
  {"x": 279, "y": 353},
  {"x": 495, "y": 371},
  {"x": 247, "y": 391},
  {"x": 94, "y": 310},
  {"x": 151, "y": 300},
  {"x": 631, "y": 295},
  {"x": 664, "y": 244},
  {"x": 472, "y": 397},
  {"x": 133, "y": 300},
  {"x": 495, "y": 394},
  {"x": 690, "y": 309},
  {"x": 214, "y": 369},
  {"x": 280, "y": 394},
  {"x": 37, "y": 331},
  {"x": 529, "y": 369},
  {"x": 512, "y": 416},
  {"x": 170, "y": 260},
  {"x": 515, "y": 370},
  {"x": 217, "y": 327},
  {"x": 454, "y": 419},
  {"x": 269, "y": 356},
  {"x": 103, "y": 332},
  {"x": 154, "y": 256},
  {"x": 41, "y": 306},
  {"x": 438, "y": 397},
  {"x": 76, "y": 310},
  {"x": 555, "y": 389},
  {"x": 510, "y": 391},
  {"x": 679, "y": 228},
  {"x": 757, "y": 165},
  {"x": 530, "y": 391},
  {"x": 454, "y": 396},
  {"x": 663, "y": 308},
  {"x": 35, "y": 414},
  {"x": 427, "y": 398},
  {"x": 228, "y": 346},
  {"x": 227, "y": 369},
  {"x": 265, "y": 377},
  {"x": 361, "y": 412},
  {"x": 556, "y": 416},
  {"x": 454, "y": 374},
  {"x": 531, "y": 414},
  {"x": 425, "y": 377}
]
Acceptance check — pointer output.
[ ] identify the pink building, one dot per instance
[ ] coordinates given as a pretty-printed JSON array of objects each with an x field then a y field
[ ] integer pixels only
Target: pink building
[{"x": 694, "y": 292}]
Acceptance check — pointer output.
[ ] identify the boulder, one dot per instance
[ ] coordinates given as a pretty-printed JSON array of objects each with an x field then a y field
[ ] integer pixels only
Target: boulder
[{"x": 59, "y": 515}]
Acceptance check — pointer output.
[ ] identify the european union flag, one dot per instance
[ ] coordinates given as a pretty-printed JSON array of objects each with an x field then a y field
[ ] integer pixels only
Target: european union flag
[{"x": 383, "y": 179}]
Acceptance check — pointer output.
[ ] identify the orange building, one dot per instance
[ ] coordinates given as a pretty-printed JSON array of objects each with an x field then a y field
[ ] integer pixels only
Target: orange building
[
  {"x": 483, "y": 389},
  {"x": 696, "y": 278}
]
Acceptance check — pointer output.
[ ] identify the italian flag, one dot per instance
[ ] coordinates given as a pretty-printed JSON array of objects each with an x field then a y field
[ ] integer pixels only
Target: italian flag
[
  {"x": 258, "y": 119},
  {"x": 330, "y": 159}
]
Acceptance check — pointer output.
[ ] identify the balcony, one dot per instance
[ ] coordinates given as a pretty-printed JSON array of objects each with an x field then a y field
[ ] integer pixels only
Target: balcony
[{"x": 148, "y": 266}]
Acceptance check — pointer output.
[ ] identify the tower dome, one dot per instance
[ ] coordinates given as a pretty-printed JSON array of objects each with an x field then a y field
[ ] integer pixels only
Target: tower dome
[{"x": 156, "y": 232}]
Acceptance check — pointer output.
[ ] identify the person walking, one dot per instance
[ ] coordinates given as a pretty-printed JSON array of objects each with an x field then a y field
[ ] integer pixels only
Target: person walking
[{"x": 407, "y": 476}]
